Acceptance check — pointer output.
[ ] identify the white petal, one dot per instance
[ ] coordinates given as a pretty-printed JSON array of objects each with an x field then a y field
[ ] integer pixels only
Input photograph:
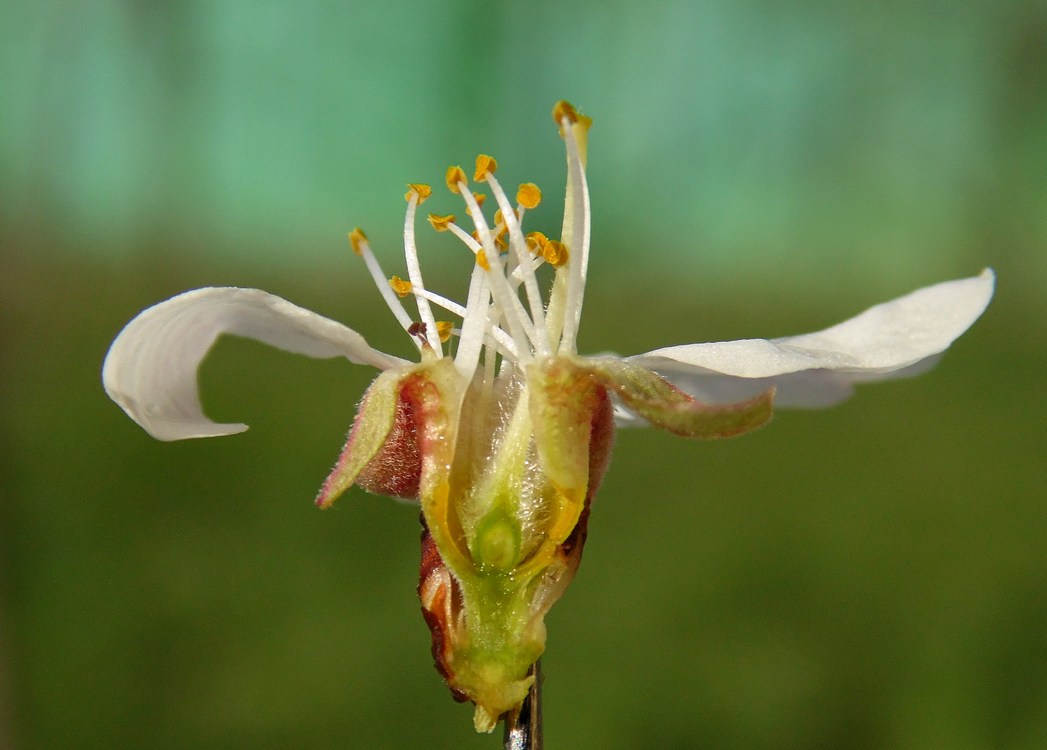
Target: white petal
[
  {"x": 150, "y": 370},
  {"x": 899, "y": 338}
]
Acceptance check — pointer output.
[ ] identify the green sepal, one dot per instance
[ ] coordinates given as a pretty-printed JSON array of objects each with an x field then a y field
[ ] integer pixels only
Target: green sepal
[
  {"x": 374, "y": 422},
  {"x": 664, "y": 405},
  {"x": 563, "y": 399}
]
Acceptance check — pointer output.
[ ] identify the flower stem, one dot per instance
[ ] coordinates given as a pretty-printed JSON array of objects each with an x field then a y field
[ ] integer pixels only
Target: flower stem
[{"x": 523, "y": 726}]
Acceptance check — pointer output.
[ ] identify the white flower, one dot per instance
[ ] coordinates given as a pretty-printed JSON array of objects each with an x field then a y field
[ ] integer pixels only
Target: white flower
[{"x": 504, "y": 440}]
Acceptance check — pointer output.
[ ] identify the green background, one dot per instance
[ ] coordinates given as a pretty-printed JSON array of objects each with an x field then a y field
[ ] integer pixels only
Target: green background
[{"x": 874, "y": 576}]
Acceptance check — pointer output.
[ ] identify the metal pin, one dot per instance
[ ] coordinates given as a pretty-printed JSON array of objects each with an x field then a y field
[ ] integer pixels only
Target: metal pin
[{"x": 523, "y": 726}]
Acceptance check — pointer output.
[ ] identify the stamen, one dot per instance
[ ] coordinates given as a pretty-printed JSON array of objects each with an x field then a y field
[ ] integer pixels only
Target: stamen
[
  {"x": 508, "y": 304},
  {"x": 517, "y": 276},
  {"x": 484, "y": 164},
  {"x": 471, "y": 241},
  {"x": 467, "y": 239},
  {"x": 528, "y": 195},
  {"x": 356, "y": 237},
  {"x": 479, "y": 198},
  {"x": 455, "y": 176},
  {"x": 401, "y": 287},
  {"x": 497, "y": 336},
  {"x": 576, "y": 226},
  {"x": 474, "y": 322},
  {"x": 530, "y": 281},
  {"x": 536, "y": 242},
  {"x": 499, "y": 225},
  {"x": 496, "y": 319},
  {"x": 422, "y": 190},
  {"x": 499, "y": 219},
  {"x": 575, "y": 121},
  {"x": 440, "y": 223},
  {"x": 555, "y": 253},
  {"x": 414, "y": 271},
  {"x": 358, "y": 241},
  {"x": 441, "y": 301},
  {"x": 564, "y": 110}
]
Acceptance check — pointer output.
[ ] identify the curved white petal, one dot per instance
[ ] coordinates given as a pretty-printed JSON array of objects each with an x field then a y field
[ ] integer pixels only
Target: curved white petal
[
  {"x": 150, "y": 370},
  {"x": 895, "y": 339}
]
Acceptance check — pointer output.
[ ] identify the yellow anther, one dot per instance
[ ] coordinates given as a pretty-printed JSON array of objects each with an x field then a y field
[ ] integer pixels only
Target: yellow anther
[
  {"x": 564, "y": 109},
  {"x": 484, "y": 164},
  {"x": 555, "y": 253},
  {"x": 419, "y": 190},
  {"x": 578, "y": 123},
  {"x": 440, "y": 223},
  {"x": 528, "y": 195},
  {"x": 355, "y": 238},
  {"x": 443, "y": 329},
  {"x": 502, "y": 241},
  {"x": 481, "y": 260},
  {"x": 454, "y": 176},
  {"x": 536, "y": 242},
  {"x": 400, "y": 286}
]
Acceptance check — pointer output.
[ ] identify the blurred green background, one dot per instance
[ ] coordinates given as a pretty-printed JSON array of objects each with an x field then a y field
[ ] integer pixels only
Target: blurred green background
[{"x": 869, "y": 577}]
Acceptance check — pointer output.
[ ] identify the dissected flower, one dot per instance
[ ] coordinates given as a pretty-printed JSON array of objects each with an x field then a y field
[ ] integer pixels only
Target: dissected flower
[{"x": 502, "y": 431}]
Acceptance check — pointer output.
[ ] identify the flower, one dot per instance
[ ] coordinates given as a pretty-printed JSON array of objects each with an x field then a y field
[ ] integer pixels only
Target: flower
[{"x": 504, "y": 437}]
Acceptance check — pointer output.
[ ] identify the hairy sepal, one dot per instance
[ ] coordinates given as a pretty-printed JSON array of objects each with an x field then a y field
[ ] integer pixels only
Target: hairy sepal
[
  {"x": 652, "y": 397},
  {"x": 563, "y": 399},
  {"x": 393, "y": 429}
]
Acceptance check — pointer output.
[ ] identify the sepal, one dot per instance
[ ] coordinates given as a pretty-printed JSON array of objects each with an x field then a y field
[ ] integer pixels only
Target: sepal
[
  {"x": 563, "y": 401},
  {"x": 664, "y": 405},
  {"x": 382, "y": 435},
  {"x": 401, "y": 428}
]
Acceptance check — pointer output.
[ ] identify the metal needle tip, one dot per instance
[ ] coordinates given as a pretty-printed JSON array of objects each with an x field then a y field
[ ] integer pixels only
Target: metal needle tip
[{"x": 523, "y": 726}]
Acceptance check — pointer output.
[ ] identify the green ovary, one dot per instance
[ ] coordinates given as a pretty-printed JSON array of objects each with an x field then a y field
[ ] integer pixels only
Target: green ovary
[{"x": 497, "y": 541}]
